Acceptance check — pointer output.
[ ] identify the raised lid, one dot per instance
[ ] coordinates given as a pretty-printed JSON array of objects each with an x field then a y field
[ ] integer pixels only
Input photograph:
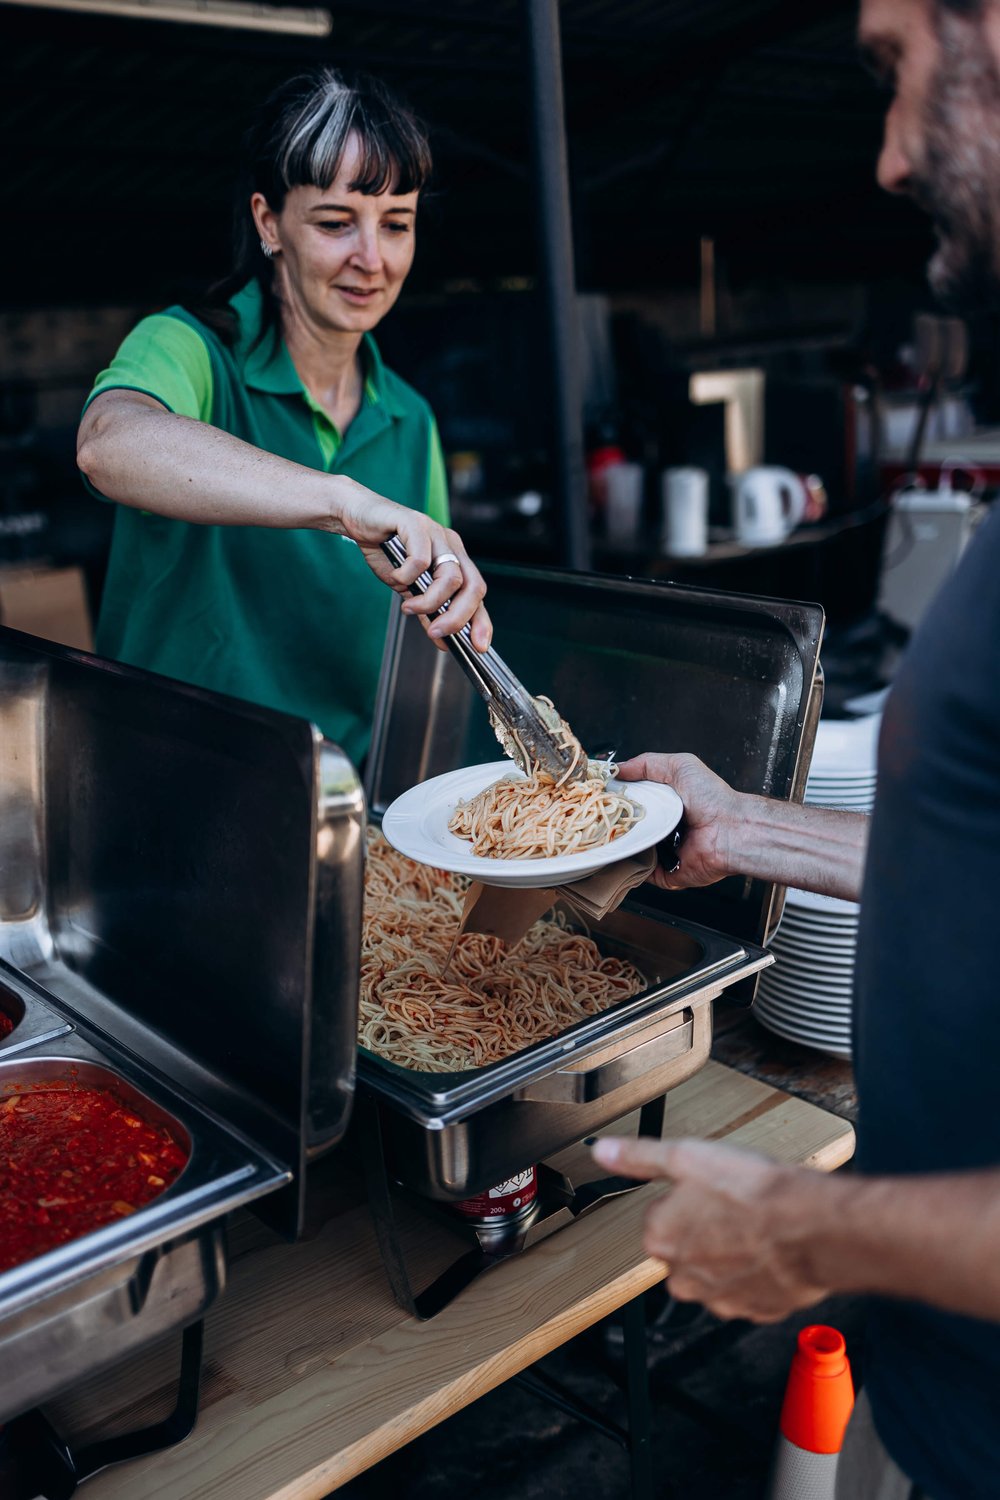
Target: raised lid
[
  {"x": 633, "y": 665},
  {"x": 163, "y": 874}
]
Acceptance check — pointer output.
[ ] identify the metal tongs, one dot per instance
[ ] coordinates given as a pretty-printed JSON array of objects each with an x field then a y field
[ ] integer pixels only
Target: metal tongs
[{"x": 518, "y": 719}]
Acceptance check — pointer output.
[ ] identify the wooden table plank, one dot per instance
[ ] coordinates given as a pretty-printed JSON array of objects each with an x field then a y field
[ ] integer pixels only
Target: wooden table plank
[
  {"x": 312, "y": 1372},
  {"x": 740, "y": 1041}
]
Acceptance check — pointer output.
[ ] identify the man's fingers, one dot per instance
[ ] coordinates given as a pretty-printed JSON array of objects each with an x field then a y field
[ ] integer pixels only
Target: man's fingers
[
  {"x": 642, "y": 1158},
  {"x": 681, "y": 1159},
  {"x": 651, "y": 766}
]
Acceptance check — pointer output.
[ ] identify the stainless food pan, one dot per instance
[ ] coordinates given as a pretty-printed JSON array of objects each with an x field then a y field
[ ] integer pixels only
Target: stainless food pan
[
  {"x": 450, "y": 1135},
  {"x": 83, "y": 1305}
]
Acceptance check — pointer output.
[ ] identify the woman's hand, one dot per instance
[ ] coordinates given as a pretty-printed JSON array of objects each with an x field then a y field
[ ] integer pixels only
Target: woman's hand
[
  {"x": 370, "y": 520},
  {"x": 712, "y": 811}
]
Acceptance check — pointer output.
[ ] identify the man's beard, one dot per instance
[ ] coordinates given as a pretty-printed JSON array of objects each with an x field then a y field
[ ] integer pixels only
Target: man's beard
[{"x": 959, "y": 180}]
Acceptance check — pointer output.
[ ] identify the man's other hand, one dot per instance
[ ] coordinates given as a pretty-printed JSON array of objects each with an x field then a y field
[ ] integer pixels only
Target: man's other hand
[{"x": 735, "y": 1228}]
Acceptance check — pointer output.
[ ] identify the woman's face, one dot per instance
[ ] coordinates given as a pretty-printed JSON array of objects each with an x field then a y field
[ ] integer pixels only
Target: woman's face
[{"x": 340, "y": 257}]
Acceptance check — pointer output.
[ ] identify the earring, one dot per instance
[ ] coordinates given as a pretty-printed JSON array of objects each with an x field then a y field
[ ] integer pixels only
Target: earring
[{"x": 266, "y": 249}]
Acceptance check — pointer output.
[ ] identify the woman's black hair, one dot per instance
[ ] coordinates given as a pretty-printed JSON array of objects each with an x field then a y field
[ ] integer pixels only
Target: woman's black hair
[{"x": 298, "y": 139}]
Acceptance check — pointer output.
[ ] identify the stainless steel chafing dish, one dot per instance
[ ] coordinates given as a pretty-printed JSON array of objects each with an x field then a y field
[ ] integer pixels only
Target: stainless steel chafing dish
[
  {"x": 180, "y": 909},
  {"x": 89, "y": 1302},
  {"x": 634, "y": 665}
]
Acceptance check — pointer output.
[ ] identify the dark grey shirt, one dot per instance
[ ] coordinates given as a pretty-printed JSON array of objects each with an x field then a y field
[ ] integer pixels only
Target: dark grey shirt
[{"x": 927, "y": 1018}]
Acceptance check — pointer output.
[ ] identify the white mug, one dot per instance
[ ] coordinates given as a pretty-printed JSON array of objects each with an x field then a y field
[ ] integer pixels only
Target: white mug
[
  {"x": 767, "y": 503},
  {"x": 684, "y": 531}
]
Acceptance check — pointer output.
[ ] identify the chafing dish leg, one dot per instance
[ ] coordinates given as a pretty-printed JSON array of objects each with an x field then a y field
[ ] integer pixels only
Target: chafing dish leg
[
  {"x": 591, "y": 1194},
  {"x": 463, "y": 1271},
  {"x": 37, "y": 1462}
]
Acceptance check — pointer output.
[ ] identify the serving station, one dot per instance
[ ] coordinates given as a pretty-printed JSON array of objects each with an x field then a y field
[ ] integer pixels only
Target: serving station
[{"x": 181, "y": 919}]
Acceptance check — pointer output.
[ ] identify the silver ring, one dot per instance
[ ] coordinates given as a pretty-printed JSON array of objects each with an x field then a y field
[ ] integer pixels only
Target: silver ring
[{"x": 443, "y": 557}]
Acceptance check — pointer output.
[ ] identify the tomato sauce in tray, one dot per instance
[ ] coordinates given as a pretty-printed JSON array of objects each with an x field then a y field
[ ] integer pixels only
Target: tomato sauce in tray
[
  {"x": 73, "y": 1158},
  {"x": 6, "y": 1024}
]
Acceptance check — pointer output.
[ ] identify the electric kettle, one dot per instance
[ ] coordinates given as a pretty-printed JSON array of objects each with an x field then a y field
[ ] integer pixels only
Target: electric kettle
[{"x": 767, "y": 503}]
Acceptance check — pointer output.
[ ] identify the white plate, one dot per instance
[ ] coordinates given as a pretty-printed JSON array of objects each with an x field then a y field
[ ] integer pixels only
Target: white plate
[
  {"x": 789, "y": 1035},
  {"x": 852, "y": 804},
  {"x": 828, "y": 906},
  {"x": 837, "y": 984},
  {"x": 839, "y": 1035},
  {"x": 816, "y": 1020},
  {"x": 846, "y": 744},
  {"x": 417, "y": 825},
  {"x": 814, "y": 930},
  {"x": 841, "y": 945},
  {"x": 812, "y": 946},
  {"x": 834, "y": 1018},
  {"x": 830, "y": 921},
  {"x": 807, "y": 941},
  {"x": 841, "y": 783},
  {"x": 826, "y": 991},
  {"x": 841, "y": 804},
  {"x": 839, "y": 974}
]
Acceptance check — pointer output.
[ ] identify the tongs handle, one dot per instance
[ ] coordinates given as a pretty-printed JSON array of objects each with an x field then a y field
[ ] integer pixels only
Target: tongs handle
[
  {"x": 508, "y": 699},
  {"x": 459, "y": 643}
]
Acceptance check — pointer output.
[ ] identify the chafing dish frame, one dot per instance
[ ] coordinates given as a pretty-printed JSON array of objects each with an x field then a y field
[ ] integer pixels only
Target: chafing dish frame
[
  {"x": 85, "y": 1304},
  {"x": 581, "y": 638}
]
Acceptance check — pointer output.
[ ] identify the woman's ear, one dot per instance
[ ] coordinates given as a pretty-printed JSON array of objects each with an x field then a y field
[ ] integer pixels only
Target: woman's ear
[{"x": 266, "y": 221}]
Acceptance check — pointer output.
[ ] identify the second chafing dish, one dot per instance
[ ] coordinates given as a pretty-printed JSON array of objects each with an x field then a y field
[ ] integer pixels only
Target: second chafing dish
[
  {"x": 180, "y": 916},
  {"x": 80, "y": 1306},
  {"x": 637, "y": 665}
]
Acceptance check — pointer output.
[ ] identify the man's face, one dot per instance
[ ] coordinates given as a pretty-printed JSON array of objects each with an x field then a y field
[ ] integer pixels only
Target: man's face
[{"x": 942, "y": 132}]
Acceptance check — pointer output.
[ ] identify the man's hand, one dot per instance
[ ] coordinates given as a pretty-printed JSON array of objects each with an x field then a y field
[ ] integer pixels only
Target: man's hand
[
  {"x": 711, "y": 813},
  {"x": 736, "y": 833},
  {"x": 734, "y": 1230}
]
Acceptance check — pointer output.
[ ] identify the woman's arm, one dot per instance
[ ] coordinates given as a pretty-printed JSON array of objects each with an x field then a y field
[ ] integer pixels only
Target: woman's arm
[
  {"x": 752, "y": 1239},
  {"x": 734, "y": 833},
  {"x": 136, "y": 452}
]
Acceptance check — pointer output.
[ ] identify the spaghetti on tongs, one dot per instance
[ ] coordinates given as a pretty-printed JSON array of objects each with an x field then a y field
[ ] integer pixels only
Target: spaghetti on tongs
[
  {"x": 563, "y": 805},
  {"x": 521, "y": 725},
  {"x": 539, "y": 816}
]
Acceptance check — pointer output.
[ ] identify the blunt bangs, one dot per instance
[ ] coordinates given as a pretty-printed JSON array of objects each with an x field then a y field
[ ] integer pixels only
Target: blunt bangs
[{"x": 393, "y": 150}]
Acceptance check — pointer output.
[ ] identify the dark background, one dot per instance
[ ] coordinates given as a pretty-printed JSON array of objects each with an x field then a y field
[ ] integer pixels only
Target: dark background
[
  {"x": 744, "y": 119},
  {"x": 749, "y": 122}
]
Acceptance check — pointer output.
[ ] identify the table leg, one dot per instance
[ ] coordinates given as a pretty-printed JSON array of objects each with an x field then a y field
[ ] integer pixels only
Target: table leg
[{"x": 637, "y": 1399}]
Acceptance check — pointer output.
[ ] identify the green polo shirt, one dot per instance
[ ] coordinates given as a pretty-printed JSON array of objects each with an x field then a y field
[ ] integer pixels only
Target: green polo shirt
[{"x": 294, "y": 620}]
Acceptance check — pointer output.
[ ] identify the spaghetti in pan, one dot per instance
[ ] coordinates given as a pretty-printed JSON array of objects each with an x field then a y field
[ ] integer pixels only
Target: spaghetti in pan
[{"x": 491, "y": 1002}]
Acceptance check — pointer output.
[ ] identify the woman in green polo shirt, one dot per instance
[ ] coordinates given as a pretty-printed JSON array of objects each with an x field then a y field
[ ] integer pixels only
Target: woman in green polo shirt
[{"x": 251, "y": 444}]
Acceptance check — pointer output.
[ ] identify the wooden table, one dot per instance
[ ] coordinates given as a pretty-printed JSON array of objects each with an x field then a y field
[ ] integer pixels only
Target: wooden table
[
  {"x": 313, "y": 1374},
  {"x": 740, "y": 1041}
]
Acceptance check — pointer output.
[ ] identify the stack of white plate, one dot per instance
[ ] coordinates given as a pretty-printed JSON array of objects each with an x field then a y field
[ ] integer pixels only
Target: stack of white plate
[
  {"x": 842, "y": 771},
  {"x": 807, "y": 995}
]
